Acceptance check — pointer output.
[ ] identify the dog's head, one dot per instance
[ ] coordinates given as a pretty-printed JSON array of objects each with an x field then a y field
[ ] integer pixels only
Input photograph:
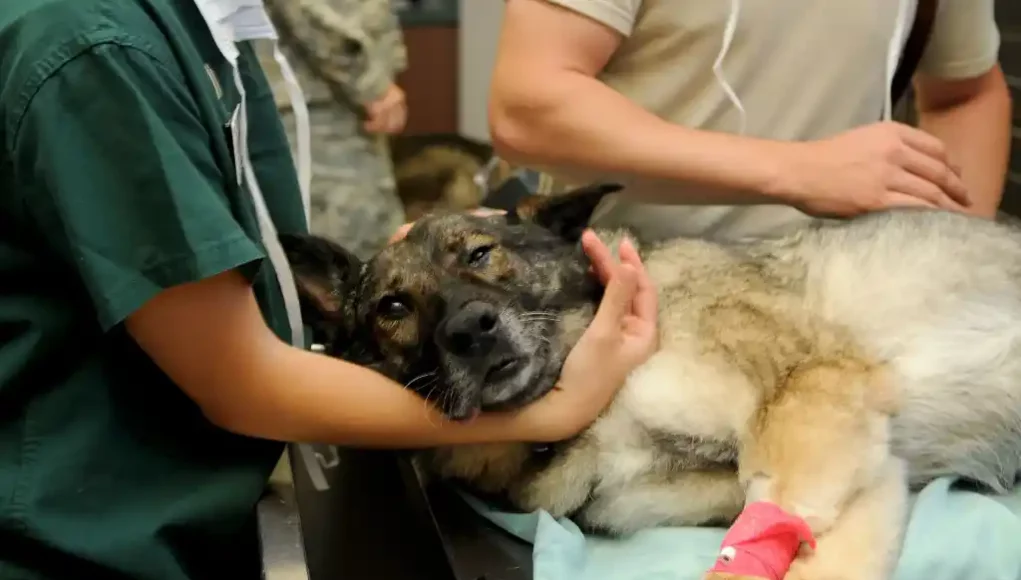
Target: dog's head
[{"x": 474, "y": 313}]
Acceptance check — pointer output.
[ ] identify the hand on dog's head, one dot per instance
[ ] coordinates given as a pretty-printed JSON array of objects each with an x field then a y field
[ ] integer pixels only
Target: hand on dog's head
[{"x": 473, "y": 312}]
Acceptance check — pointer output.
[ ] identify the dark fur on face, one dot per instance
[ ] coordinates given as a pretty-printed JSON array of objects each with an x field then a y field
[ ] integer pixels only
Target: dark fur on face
[{"x": 466, "y": 310}]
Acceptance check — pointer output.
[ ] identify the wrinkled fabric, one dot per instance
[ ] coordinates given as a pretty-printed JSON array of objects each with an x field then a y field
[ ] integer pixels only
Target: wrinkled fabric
[
  {"x": 952, "y": 534},
  {"x": 345, "y": 53},
  {"x": 354, "y": 46}
]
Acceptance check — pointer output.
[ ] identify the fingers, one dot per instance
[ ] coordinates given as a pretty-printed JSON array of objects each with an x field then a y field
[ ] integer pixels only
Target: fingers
[
  {"x": 645, "y": 304},
  {"x": 401, "y": 232},
  {"x": 629, "y": 290},
  {"x": 923, "y": 142},
  {"x": 928, "y": 159},
  {"x": 904, "y": 200},
  {"x": 945, "y": 181},
  {"x": 381, "y": 122},
  {"x": 925, "y": 191},
  {"x": 385, "y": 117},
  {"x": 618, "y": 298},
  {"x": 600, "y": 256},
  {"x": 391, "y": 121},
  {"x": 400, "y": 118},
  {"x": 376, "y": 123}
]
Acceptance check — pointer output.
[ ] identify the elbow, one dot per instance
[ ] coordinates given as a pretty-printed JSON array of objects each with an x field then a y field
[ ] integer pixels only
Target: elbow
[
  {"x": 518, "y": 125},
  {"x": 510, "y": 133},
  {"x": 228, "y": 419},
  {"x": 239, "y": 406}
]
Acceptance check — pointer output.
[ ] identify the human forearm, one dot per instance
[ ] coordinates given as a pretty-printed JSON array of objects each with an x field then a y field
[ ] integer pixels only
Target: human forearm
[
  {"x": 210, "y": 338},
  {"x": 301, "y": 396},
  {"x": 975, "y": 128},
  {"x": 574, "y": 120}
]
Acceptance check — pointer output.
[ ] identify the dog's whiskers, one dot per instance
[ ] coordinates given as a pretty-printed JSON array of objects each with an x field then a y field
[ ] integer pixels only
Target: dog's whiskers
[
  {"x": 432, "y": 373},
  {"x": 540, "y": 315},
  {"x": 426, "y": 403},
  {"x": 431, "y": 382},
  {"x": 432, "y": 385}
]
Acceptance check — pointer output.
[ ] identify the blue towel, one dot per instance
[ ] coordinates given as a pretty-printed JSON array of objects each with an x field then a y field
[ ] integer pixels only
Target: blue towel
[{"x": 953, "y": 534}]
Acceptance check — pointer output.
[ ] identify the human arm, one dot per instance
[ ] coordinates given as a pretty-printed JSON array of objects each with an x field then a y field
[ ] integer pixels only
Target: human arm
[
  {"x": 209, "y": 337},
  {"x": 548, "y": 108},
  {"x": 139, "y": 218},
  {"x": 389, "y": 113},
  {"x": 963, "y": 99}
]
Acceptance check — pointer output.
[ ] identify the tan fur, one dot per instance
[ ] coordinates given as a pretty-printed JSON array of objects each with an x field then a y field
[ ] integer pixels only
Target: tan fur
[
  {"x": 823, "y": 371},
  {"x": 434, "y": 177},
  {"x": 446, "y": 176}
]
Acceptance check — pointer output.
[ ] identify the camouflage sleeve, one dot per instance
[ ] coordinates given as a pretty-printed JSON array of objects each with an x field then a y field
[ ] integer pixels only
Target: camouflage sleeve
[
  {"x": 334, "y": 38},
  {"x": 392, "y": 39}
]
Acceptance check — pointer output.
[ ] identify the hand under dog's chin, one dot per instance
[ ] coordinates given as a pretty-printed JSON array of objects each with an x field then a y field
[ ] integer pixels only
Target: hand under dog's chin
[
  {"x": 510, "y": 383},
  {"x": 520, "y": 371},
  {"x": 533, "y": 381}
]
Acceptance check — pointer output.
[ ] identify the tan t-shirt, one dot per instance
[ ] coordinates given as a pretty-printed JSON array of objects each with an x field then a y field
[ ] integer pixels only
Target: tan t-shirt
[{"x": 803, "y": 69}]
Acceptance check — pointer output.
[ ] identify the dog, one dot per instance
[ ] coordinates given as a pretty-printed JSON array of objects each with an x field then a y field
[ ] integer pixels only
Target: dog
[
  {"x": 439, "y": 172},
  {"x": 829, "y": 370}
]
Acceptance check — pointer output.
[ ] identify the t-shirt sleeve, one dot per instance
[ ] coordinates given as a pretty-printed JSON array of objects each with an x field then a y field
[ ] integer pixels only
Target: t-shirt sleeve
[
  {"x": 965, "y": 41},
  {"x": 116, "y": 168},
  {"x": 619, "y": 15}
]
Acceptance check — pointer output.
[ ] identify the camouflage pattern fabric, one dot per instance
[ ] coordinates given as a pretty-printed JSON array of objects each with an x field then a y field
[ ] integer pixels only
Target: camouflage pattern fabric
[{"x": 345, "y": 53}]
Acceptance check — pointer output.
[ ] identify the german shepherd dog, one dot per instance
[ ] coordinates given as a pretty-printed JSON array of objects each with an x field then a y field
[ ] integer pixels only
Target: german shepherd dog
[
  {"x": 437, "y": 172},
  {"x": 828, "y": 370}
]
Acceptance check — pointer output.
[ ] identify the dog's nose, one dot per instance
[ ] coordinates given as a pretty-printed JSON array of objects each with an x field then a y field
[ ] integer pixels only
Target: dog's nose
[{"x": 471, "y": 331}]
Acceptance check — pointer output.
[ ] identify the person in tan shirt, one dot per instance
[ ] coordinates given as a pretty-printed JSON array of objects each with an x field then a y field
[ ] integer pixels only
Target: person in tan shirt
[{"x": 626, "y": 90}]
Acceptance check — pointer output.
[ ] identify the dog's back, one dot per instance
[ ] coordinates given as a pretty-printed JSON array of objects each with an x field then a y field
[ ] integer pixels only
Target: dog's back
[
  {"x": 938, "y": 296},
  {"x": 934, "y": 297}
]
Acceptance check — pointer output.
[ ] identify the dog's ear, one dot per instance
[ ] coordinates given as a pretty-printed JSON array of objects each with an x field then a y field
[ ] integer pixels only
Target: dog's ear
[
  {"x": 323, "y": 271},
  {"x": 567, "y": 214}
]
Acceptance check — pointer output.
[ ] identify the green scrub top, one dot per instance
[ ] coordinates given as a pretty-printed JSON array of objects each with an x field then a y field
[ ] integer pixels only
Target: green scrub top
[{"x": 117, "y": 181}]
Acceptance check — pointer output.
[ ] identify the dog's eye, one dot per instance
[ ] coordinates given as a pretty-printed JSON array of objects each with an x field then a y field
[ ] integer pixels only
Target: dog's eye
[
  {"x": 393, "y": 308},
  {"x": 479, "y": 257}
]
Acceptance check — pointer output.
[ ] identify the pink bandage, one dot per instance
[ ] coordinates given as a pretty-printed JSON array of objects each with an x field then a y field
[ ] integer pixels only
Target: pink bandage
[{"x": 763, "y": 542}]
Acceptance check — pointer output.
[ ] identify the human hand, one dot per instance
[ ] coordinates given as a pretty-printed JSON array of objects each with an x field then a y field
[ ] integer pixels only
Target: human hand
[
  {"x": 622, "y": 336},
  {"x": 870, "y": 168},
  {"x": 387, "y": 114},
  {"x": 404, "y": 229}
]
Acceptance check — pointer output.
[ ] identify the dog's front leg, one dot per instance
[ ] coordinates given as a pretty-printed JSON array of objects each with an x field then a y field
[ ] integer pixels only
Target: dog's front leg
[
  {"x": 866, "y": 539},
  {"x": 819, "y": 442},
  {"x": 864, "y": 542}
]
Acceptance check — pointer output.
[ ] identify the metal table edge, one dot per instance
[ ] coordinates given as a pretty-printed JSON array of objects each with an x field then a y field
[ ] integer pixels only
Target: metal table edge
[{"x": 280, "y": 540}]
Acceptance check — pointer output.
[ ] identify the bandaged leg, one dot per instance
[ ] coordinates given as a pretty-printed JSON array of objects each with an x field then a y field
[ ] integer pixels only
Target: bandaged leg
[
  {"x": 814, "y": 449},
  {"x": 866, "y": 540},
  {"x": 762, "y": 543}
]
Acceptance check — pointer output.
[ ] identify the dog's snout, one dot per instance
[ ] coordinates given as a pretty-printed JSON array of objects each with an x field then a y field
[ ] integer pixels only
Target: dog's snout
[{"x": 471, "y": 331}]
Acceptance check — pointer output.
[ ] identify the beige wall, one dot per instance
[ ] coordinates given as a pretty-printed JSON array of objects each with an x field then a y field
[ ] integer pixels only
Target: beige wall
[{"x": 479, "y": 26}]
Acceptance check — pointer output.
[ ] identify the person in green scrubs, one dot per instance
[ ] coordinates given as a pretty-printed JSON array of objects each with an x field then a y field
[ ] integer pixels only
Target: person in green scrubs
[{"x": 145, "y": 387}]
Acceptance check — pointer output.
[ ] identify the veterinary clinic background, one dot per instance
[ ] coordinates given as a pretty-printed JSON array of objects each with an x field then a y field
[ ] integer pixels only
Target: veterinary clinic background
[{"x": 199, "y": 199}]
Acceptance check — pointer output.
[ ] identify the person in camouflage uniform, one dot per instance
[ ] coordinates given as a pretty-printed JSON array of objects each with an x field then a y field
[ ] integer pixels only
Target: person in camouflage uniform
[{"x": 351, "y": 50}]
